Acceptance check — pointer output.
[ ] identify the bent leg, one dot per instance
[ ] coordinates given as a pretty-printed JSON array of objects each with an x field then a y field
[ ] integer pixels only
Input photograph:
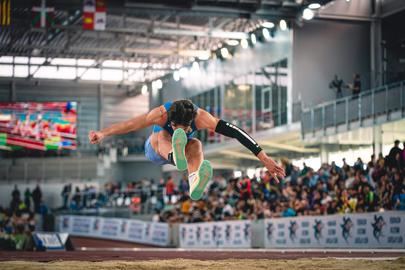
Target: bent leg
[
  {"x": 151, "y": 152},
  {"x": 194, "y": 155},
  {"x": 161, "y": 142},
  {"x": 200, "y": 171}
]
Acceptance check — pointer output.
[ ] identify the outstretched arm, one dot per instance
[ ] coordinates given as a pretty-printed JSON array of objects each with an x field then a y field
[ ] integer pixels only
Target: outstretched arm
[
  {"x": 142, "y": 121},
  {"x": 205, "y": 120}
]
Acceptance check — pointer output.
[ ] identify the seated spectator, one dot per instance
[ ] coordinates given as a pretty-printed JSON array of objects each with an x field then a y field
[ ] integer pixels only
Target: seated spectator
[{"x": 16, "y": 228}]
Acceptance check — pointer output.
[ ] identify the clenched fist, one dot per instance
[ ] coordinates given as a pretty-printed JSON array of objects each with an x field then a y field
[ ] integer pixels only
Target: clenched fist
[{"x": 95, "y": 137}]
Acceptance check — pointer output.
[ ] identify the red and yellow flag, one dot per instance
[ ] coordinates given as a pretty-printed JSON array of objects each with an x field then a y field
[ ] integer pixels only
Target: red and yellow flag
[{"x": 94, "y": 15}]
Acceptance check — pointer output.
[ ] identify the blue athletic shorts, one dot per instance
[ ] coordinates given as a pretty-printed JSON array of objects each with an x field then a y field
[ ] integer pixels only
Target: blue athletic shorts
[{"x": 152, "y": 155}]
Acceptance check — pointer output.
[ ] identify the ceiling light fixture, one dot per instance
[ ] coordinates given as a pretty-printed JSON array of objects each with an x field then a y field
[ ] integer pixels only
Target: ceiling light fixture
[
  {"x": 232, "y": 42},
  {"x": 266, "y": 34},
  {"x": 308, "y": 14},
  {"x": 183, "y": 72},
  {"x": 268, "y": 24},
  {"x": 283, "y": 25},
  {"x": 144, "y": 90},
  {"x": 225, "y": 53},
  {"x": 244, "y": 43},
  {"x": 314, "y": 6},
  {"x": 176, "y": 75},
  {"x": 253, "y": 38}
]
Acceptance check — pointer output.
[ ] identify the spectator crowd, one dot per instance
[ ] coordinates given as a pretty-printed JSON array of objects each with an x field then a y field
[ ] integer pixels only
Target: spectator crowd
[
  {"x": 378, "y": 185},
  {"x": 20, "y": 218}
]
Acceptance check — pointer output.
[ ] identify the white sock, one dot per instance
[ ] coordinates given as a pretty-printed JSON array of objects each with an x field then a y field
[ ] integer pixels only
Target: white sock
[{"x": 191, "y": 178}]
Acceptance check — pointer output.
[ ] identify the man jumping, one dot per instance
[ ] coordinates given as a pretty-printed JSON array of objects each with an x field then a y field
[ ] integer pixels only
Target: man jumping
[{"x": 172, "y": 142}]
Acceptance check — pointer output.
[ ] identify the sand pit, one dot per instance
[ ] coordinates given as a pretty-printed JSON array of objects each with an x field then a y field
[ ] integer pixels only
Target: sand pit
[{"x": 184, "y": 264}]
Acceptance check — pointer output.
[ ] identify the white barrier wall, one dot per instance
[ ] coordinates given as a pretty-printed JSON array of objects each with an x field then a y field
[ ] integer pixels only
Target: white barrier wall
[
  {"x": 371, "y": 230},
  {"x": 136, "y": 231},
  {"x": 227, "y": 234}
]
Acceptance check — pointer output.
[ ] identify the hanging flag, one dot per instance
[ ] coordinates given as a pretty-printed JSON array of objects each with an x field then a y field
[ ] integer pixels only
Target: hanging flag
[
  {"x": 5, "y": 12},
  {"x": 94, "y": 15},
  {"x": 43, "y": 16}
]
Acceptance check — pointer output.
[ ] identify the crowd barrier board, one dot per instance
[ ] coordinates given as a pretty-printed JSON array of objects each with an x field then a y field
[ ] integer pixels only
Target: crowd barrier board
[
  {"x": 368, "y": 230},
  {"x": 363, "y": 231},
  {"x": 151, "y": 233},
  {"x": 225, "y": 234}
]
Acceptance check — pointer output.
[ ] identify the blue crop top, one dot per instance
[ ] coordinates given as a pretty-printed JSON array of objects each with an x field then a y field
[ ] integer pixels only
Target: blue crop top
[{"x": 169, "y": 128}]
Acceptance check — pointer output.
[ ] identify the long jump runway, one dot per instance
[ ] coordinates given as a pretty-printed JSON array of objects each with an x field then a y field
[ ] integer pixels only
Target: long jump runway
[
  {"x": 98, "y": 250},
  {"x": 133, "y": 254}
]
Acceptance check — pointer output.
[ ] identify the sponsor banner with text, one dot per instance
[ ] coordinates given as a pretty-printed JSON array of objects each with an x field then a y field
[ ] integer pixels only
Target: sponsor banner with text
[
  {"x": 115, "y": 229},
  {"x": 227, "y": 234},
  {"x": 370, "y": 230}
]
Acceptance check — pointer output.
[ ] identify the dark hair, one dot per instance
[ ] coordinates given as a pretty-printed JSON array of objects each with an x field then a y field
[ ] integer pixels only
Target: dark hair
[
  {"x": 396, "y": 142},
  {"x": 182, "y": 112}
]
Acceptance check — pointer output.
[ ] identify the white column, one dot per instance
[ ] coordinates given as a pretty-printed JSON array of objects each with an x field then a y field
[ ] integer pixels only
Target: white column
[
  {"x": 377, "y": 140},
  {"x": 324, "y": 153}
]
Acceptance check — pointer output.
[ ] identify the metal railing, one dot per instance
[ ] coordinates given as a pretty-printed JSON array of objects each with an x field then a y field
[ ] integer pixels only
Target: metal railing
[
  {"x": 116, "y": 203},
  {"x": 367, "y": 105}
]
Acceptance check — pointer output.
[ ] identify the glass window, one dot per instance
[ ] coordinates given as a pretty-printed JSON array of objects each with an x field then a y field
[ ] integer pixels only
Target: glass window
[{"x": 271, "y": 95}]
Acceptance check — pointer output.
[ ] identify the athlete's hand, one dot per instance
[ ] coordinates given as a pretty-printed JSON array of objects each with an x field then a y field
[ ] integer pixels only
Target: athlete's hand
[
  {"x": 95, "y": 137},
  {"x": 274, "y": 169}
]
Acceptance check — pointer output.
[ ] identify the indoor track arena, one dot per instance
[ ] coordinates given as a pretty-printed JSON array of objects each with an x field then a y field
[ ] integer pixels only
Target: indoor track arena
[{"x": 202, "y": 134}]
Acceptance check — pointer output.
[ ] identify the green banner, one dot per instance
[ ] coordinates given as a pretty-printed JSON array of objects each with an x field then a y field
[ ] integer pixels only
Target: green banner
[{"x": 3, "y": 138}]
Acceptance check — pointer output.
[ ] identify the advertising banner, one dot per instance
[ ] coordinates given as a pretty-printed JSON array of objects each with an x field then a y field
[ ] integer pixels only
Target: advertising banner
[
  {"x": 370, "y": 230},
  {"x": 47, "y": 241},
  {"x": 116, "y": 229},
  {"x": 227, "y": 234}
]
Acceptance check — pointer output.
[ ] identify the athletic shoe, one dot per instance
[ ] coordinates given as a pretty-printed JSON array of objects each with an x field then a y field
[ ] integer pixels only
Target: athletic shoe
[
  {"x": 200, "y": 180},
  {"x": 179, "y": 142}
]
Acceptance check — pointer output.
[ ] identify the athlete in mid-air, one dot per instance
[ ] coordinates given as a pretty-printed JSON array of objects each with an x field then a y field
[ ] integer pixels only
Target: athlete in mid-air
[{"x": 172, "y": 142}]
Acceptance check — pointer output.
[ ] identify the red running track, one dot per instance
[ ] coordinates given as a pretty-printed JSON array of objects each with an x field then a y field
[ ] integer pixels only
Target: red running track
[
  {"x": 103, "y": 250},
  {"x": 166, "y": 254}
]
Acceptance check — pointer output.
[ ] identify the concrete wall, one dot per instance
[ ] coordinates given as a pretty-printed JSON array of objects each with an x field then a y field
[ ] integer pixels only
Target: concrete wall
[
  {"x": 322, "y": 48},
  {"x": 135, "y": 171},
  {"x": 357, "y": 9},
  {"x": 389, "y": 7}
]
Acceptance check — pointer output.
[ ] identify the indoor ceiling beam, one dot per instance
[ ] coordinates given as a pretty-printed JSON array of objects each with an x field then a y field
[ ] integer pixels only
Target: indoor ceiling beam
[
  {"x": 166, "y": 24},
  {"x": 213, "y": 33},
  {"x": 168, "y": 52},
  {"x": 86, "y": 67},
  {"x": 204, "y": 11},
  {"x": 88, "y": 54},
  {"x": 164, "y": 31}
]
